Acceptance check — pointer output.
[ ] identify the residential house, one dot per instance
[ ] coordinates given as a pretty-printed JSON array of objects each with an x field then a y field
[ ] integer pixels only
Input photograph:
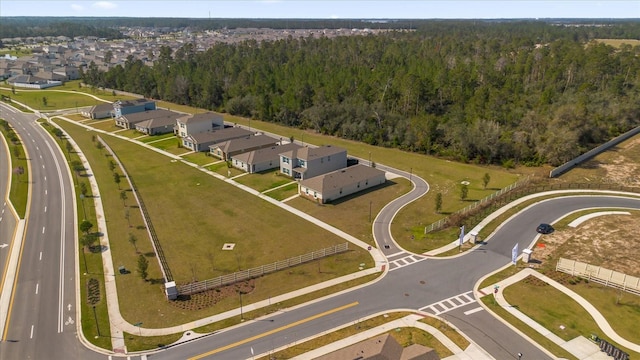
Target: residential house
[
  {"x": 308, "y": 162},
  {"x": 67, "y": 72},
  {"x": 159, "y": 124},
  {"x": 129, "y": 121},
  {"x": 262, "y": 159},
  {"x": 32, "y": 82},
  {"x": 197, "y": 123},
  {"x": 124, "y": 107},
  {"x": 225, "y": 150},
  {"x": 382, "y": 347},
  {"x": 202, "y": 141},
  {"x": 336, "y": 184},
  {"x": 100, "y": 111}
]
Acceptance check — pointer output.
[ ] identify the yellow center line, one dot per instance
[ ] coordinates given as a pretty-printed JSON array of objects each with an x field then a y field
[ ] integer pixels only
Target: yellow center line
[{"x": 242, "y": 342}]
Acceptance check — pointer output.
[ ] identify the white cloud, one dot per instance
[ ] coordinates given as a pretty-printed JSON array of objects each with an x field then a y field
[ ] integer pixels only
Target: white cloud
[
  {"x": 105, "y": 5},
  {"x": 77, "y": 7}
]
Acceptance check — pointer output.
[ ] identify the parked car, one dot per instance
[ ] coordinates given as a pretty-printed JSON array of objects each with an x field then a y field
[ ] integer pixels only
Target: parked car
[{"x": 545, "y": 229}]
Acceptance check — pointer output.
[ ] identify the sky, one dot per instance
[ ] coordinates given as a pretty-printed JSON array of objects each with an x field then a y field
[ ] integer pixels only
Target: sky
[{"x": 339, "y": 9}]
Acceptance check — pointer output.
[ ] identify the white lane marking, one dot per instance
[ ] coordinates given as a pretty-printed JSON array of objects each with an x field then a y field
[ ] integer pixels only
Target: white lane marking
[
  {"x": 40, "y": 156},
  {"x": 45, "y": 209},
  {"x": 40, "y": 256},
  {"x": 31, "y": 336},
  {"x": 43, "y": 166},
  {"x": 37, "y": 286},
  {"x": 63, "y": 223},
  {"x": 45, "y": 192},
  {"x": 469, "y": 312},
  {"x": 45, "y": 178},
  {"x": 43, "y": 229}
]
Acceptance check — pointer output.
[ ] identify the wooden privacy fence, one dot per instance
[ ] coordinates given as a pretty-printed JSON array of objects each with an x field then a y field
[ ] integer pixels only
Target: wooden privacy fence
[
  {"x": 200, "y": 286},
  {"x": 600, "y": 275}
]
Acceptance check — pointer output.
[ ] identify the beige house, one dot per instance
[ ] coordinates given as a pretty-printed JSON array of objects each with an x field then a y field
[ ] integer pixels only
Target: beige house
[
  {"x": 226, "y": 150},
  {"x": 307, "y": 162},
  {"x": 263, "y": 159},
  {"x": 340, "y": 183},
  {"x": 202, "y": 141},
  {"x": 198, "y": 123}
]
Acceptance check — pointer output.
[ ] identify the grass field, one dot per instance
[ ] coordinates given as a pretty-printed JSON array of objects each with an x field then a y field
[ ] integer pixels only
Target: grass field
[
  {"x": 354, "y": 214},
  {"x": 55, "y": 99},
  {"x": 265, "y": 180},
  {"x": 204, "y": 214},
  {"x": 561, "y": 315},
  {"x": 19, "y": 190}
]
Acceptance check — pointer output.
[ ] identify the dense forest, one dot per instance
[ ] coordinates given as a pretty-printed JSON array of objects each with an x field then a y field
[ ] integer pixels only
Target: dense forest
[
  {"x": 13, "y": 27},
  {"x": 491, "y": 92}
]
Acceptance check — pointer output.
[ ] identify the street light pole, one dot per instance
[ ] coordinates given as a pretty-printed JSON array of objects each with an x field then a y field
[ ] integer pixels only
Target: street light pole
[{"x": 241, "y": 315}]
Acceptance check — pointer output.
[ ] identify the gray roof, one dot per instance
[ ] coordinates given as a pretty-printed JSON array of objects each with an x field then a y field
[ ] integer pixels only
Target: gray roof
[
  {"x": 157, "y": 122},
  {"x": 202, "y": 117},
  {"x": 340, "y": 178},
  {"x": 310, "y": 153},
  {"x": 149, "y": 114},
  {"x": 249, "y": 142},
  {"x": 217, "y": 136},
  {"x": 101, "y": 108},
  {"x": 135, "y": 102},
  {"x": 266, "y": 154}
]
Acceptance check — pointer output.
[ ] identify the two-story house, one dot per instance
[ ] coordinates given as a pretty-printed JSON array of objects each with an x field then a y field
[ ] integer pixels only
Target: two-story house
[
  {"x": 262, "y": 159},
  {"x": 198, "y": 123},
  {"x": 308, "y": 162},
  {"x": 124, "y": 107}
]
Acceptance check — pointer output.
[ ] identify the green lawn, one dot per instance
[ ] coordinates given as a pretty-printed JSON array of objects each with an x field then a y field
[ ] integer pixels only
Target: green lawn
[
  {"x": 264, "y": 180},
  {"x": 55, "y": 99},
  {"x": 284, "y": 192},
  {"x": 194, "y": 214},
  {"x": 162, "y": 137},
  {"x": 199, "y": 158},
  {"x": 534, "y": 335},
  {"x": 554, "y": 310},
  {"x": 351, "y": 214},
  {"x": 19, "y": 181}
]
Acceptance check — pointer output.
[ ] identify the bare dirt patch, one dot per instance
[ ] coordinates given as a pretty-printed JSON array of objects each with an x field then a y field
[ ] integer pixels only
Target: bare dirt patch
[{"x": 608, "y": 241}]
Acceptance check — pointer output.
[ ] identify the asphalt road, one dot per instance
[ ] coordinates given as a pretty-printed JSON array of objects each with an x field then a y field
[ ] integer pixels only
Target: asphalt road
[
  {"x": 415, "y": 286},
  {"x": 42, "y": 322},
  {"x": 7, "y": 219}
]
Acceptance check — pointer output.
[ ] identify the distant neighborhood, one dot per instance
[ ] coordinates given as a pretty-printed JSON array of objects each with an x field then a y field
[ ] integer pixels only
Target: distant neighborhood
[
  {"x": 54, "y": 60},
  {"x": 322, "y": 173}
]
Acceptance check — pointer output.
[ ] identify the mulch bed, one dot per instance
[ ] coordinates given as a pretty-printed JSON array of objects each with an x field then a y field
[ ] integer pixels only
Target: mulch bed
[{"x": 209, "y": 298}]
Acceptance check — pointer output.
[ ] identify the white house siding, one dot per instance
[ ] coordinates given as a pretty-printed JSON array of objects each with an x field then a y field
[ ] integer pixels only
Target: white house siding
[{"x": 341, "y": 183}]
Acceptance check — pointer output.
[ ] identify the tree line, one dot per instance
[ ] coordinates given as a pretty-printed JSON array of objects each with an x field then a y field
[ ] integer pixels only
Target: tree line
[{"x": 512, "y": 92}]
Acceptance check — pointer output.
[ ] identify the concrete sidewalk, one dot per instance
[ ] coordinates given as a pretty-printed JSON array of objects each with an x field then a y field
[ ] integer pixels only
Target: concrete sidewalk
[
  {"x": 580, "y": 347},
  {"x": 472, "y": 352},
  {"x": 119, "y": 325}
]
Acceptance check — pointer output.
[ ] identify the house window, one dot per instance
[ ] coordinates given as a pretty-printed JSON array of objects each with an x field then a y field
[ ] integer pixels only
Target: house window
[
  {"x": 340, "y": 190},
  {"x": 358, "y": 184},
  {"x": 306, "y": 190},
  {"x": 329, "y": 158},
  {"x": 315, "y": 194},
  {"x": 285, "y": 160},
  {"x": 302, "y": 163}
]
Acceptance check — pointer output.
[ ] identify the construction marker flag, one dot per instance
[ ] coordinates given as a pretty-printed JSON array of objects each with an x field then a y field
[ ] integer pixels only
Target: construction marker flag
[
  {"x": 514, "y": 254},
  {"x": 461, "y": 234}
]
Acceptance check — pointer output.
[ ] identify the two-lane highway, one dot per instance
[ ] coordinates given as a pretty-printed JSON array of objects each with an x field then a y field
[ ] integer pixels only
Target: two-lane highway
[{"x": 42, "y": 313}]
